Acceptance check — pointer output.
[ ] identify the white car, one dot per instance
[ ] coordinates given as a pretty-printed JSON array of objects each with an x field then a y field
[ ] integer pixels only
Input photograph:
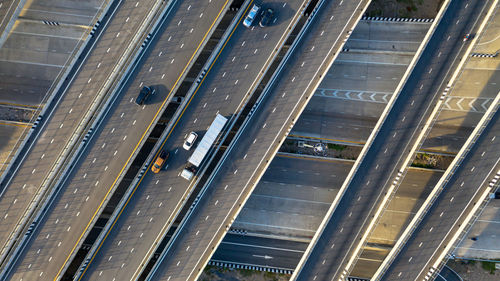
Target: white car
[
  {"x": 251, "y": 16},
  {"x": 188, "y": 143}
]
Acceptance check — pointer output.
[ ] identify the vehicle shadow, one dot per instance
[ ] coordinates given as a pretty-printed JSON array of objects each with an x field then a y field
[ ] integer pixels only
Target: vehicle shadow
[
  {"x": 282, "y": 12},
  {"x": 161, "y": 92}
]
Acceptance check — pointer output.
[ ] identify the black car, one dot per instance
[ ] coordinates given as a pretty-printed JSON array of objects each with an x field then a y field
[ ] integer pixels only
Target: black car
[
  {"x": 267, "y": 17},
  {"x": 144, "y": 95}
]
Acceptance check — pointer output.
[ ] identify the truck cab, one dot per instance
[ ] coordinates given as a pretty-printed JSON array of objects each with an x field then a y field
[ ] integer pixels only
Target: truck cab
[{"x": 188, "y": 173}]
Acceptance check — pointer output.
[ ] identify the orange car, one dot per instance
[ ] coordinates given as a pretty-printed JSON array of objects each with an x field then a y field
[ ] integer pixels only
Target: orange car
[{"x": 160, "y": 161}]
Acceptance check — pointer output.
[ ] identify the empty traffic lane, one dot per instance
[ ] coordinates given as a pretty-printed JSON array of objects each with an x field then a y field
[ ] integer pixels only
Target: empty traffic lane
[
  {"x": 474, "y": 175},
  {"x": 91, "y": 181},
  {"x": 28, "y": 183},
  {"x": 259, "y": 251},
  {"x": 344, "y": 229},
  {"x": 258, "y": 141},
  {"x": 154, "y": 205}
]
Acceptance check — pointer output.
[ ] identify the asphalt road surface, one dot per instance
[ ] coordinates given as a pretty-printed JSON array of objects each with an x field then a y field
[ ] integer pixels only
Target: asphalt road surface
[
  {"x": 90, "y": 181},
  {"x": 345, "y": 227},
  {"x": 259, "y": 251},
  {"x": 451, "y": 207},
  {"x": 24, "y": 184},
  {"x": 36, "y": 53},
  {"x": 157, "y": 198},
  {"x": 292, "y": 196},
  {"x": 230, "y": 187}
]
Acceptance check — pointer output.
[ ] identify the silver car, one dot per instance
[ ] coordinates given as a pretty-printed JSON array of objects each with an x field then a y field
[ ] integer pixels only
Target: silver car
[
  {"x": 251, "y": 15},
  {"x": 188, "y": 143}
]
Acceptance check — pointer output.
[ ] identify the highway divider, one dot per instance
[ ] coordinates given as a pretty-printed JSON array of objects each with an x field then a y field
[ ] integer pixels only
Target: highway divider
[
  {"x": 47, "y": 110},
  {"x": 232, "y": 123},
  {"x": 57, "y": 89},
  {"x": 187, "y": 198},
  {"x": 453, "y": 166},
  {"x": 481, "y": 200},
  {"x": 245, "y": 118},
  {"x": 156, "y": 28},
  {"x": 369, "y": 142},
  {"x": 157, "y": 147},
  {"x": 72, "y": 150}
]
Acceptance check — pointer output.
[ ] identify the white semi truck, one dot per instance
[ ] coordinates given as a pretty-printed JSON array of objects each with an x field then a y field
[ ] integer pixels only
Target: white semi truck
[{"x": 203, "y": 147}]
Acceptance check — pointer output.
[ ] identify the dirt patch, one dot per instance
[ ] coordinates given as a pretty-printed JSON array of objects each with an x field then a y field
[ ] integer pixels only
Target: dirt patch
[
  {"x": 432, "y": 161},
  {"x": 351, "y": 152},
  {"x": 330, "y": 150},
  {"x": 16, "y": 114},
  {"x": 228, "y": 274},
  {"x": 475, "y": 270},
  {"x": 404, "y": 8}
]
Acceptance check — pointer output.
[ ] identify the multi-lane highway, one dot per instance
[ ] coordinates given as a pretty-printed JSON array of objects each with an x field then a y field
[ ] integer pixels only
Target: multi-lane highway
[
  {"x": 257, "y": 142},
  {"x": 73, "y": 212},
  {"x": 37, "y": 55},
  {"x": 361, "y": 81},
  {"x": 292, "y": 196},
  {"x": 478, "y": 173},
  {"x": 157, "y": 199},
  {"x": 290, "y": 200},
  {"x": 28, "y": 185},
  {"x": 9, "y": 10},
  {"x": 351, "y": 213}
]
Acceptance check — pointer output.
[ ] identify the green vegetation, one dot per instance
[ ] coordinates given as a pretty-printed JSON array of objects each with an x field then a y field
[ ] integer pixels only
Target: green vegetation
[
  {"x": 246, "y": 272},
  {"x": 337, "y": 147},
  {"x": 488, "y": 266},
  {"x": 420, "y": 165},
  {"x": 271, "y": 276},
  {"x": 375, "y": 13}
]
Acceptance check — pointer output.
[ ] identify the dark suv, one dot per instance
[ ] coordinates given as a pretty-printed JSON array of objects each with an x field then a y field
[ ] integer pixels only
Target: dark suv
[
  {"x": 267, "y": 17},
  {"x": 144, "y": 95}
]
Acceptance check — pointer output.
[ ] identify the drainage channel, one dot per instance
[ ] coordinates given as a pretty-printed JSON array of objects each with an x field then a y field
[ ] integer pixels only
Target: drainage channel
[{"x": 152, "y": 139}]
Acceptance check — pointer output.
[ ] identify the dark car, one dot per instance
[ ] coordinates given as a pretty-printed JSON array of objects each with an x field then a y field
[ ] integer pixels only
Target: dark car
[
  {"x": 267, "y": 17},
  {"x": 144, "y": 95}
]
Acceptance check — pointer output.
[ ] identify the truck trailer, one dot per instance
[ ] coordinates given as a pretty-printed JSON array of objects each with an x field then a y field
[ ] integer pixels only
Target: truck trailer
[{"x": 201, "y": 151}]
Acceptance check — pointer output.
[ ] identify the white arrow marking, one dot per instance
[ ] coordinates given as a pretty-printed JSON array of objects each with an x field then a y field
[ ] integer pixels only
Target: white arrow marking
[
  {"x": 471, "y": 105},
  {"x": 360, "y": 95},
  {"x": 347, "y": 95},
  {"x": 265, "y": 257},
  {"x": 372, "y": 95},
  {"x": 484, "y": 104},
  {"x": 458, "y": 103},
  {"x": 384, "y": 97},
  {"x": 446, "y": 103}
]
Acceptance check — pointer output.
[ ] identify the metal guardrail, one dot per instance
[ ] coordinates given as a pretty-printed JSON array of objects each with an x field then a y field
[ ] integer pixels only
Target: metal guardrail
[
  {"x": 465, "y": 227},
  {"x": 451, "y": 169},
  {"x": 54, "y": 89},
  {"x": 403, "y": 170},
  {"x": 45, "y": 107},
  {"x": 114, "y": 216},
  {"x": 328, "y": 62},
  {"x": 77, "y": 141},
  {"x": 407, "y": 163},
  {"x": 233, "y": 120}
]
